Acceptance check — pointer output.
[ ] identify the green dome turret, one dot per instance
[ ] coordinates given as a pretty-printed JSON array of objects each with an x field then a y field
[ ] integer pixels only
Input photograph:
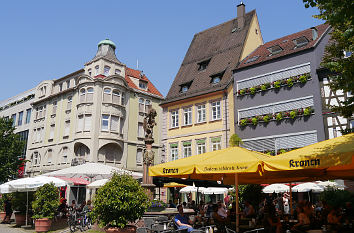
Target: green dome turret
[{"x": 107, "y": 42}]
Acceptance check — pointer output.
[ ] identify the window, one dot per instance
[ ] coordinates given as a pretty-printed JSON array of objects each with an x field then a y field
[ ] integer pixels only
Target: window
[
  {"x": 174, "y": 151},
  {"x": 201, "y": 113},
  {"x": 107, "y": 95},
  {"x": 216, "y": 78},
  {"x": 121, "y": 125},
  {"x": 106, "y": 70},
  {"x": 87, "y": 122},
  {"x": 300, "y": 42},
  {"x": 60, "y": 86},
  {"x": 252, "y": 59},
  {"x": 65, "y": 154},
  {"x": 215, "y": 144},
  {"x": 97, "y": 70},
  {"x": 139, "y": 155},
  {"x": 66, "y": 129},
  {"x": 117, "y": 71},
  {"x": 13, "y": 117},
  {"x": 147, "y": 105},
  {"x": 70, "y": 100},
  {"x": 116, "y": 97},
  {"x": 144, "y": 105},
  {"x": 141, "y": 131},
  {"x": 274, "y": 50},
  {"x": 123, "y": 99},
  {"x": 174, "y": 119},
  {"x": 80, "y": 123},
  {"x": 82, "y": 95},
  {"x": 105, "y": 122},
  {"x": 184, "y": 89},
  {"x": 201, "y": 148},
  {"x": 114, "y": 123},
  {"x": 68, "y": 84},
  {"x": 185, "y": 86},
  {"x": 187, "y": 115},
  {"x": 216, "y": 110},
  {"x": 36, "y": 158},
  {"x": 51, "y": 133},
  {"x": 20, "y": 118},
  {"x": 187, "y": 149},
  {"x": 49, "y": 156},
  {"x": 142, "y": 84},
  {"x": 89, "y": 94},
  {"x": 203, "y": 65},
  {"x": 28, "y": 115},
  {"x": 55, "y": 105},
  {"x": 89, "y": 72}
]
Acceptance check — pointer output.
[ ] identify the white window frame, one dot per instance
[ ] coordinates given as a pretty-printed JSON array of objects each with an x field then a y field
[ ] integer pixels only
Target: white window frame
[
  {"x": 215, "y": 110},
  {"x": 215, "y": 145},
  {"x": 200, "y": 146},
  {"x": 187, "y": 116},
  {"x": 201, "y": 113},
  {"x": 187, "y": 149},
  {"x": 173, "y": 151},
  {"x": 106, "y": 70},
  {"x": 103, "y": 128},
  {"x": 174, "y": 118}
]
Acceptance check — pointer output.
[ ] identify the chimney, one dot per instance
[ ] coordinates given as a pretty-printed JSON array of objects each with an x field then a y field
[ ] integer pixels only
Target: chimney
[{"x": 241, "y": 15}]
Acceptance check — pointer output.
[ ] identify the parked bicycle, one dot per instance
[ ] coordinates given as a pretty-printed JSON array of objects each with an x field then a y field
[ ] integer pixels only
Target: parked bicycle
[{"x": 79, "y": 220}]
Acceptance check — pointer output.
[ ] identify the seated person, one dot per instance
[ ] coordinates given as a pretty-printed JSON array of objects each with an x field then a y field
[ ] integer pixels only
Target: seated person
[
  {"x": 182, "y": 221},
  {"x": 304, "y": 221},
  {"x": 88, "y": 206},
  {"x": 270, "y": 221},
  {"x": 63, "y": 208},
  {"x": 334, "y": 219},
  {"x": 171, "y": 204},
  {"x": 222, "y": 212},
  {"x": 249, "y": 211}
]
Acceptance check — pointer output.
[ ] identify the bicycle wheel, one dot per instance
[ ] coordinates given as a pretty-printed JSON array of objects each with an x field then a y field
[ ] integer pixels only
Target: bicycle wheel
[
  {"x": 72, "y": 225},
  {"x": 88, "y": 223}
]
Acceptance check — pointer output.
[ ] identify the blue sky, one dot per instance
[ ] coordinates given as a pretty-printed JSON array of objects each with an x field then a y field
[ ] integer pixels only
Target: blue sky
[{"x": 43, "y": 40}]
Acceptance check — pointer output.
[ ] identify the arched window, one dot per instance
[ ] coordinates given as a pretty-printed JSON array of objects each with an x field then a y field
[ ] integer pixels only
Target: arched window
[
  {"x": 147, "y": 105},
  {"x": 141, "y": 105},
  {"x": 82, "y": 95},
  {"x": 116, "y": 97},
  {"x": 107, "y": 95},
  {"x": 89, "y": 94},
  {"x": 106, "y": 70}
]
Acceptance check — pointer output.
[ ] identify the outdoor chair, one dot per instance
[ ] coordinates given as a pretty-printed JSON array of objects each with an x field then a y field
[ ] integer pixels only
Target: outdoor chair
[{"x": 258, "y": 230}]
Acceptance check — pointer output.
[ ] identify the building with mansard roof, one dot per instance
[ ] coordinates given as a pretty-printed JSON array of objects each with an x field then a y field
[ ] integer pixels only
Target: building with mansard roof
[{"x": 94, "y": 114}]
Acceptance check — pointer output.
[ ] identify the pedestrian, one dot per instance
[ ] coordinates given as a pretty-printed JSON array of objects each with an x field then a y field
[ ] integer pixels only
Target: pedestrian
[{"x": 8, "y": 210}]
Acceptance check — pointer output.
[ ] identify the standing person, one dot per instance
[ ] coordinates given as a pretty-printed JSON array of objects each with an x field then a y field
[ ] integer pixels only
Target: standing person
[
  {"x": 8, "y": 210},
  {"x": 286, "y": 203},
  {"x": 63, "y": 208},
  {"x": 88, "y": 206},
  {"x": 82, "y": 206},
  {"x": 182, "y": 221},
  {"x": 73, "y": 205}
]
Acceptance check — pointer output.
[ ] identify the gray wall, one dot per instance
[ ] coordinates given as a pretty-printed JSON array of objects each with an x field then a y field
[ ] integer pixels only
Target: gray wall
[{"x": 312, "y": 87}]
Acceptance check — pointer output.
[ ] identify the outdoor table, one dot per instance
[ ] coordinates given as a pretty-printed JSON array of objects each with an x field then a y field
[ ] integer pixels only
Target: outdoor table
[{"x": 169, "y": 212}]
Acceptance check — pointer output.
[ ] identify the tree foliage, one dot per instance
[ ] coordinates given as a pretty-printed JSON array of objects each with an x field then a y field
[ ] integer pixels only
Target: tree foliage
[
  {"x": 120, "y": 201},
  {"x": 10, "y": 151},
  {"x": 336, "y": 198},
  {"x": 235, "y": 140},
  {"x": 249, "y": 192},
  {"x": 46, "y": 201},
  {"x": 339, "y": 14}
]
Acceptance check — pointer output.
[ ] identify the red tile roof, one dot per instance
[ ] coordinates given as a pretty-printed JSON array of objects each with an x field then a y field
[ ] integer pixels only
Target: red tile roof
[
  {"x": 286, "y": 43},
  {"x": 139, "y": 75}
]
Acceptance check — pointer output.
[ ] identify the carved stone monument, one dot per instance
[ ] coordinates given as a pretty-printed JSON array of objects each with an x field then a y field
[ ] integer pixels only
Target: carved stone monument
[{"x": 148, "y": 156}]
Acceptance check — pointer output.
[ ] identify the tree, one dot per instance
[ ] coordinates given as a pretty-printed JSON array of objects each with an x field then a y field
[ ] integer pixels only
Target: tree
[
  {"x": 10, "y": 151},
  {"x": 339, "y": 14},
  {"x": 235, "y": 140}
]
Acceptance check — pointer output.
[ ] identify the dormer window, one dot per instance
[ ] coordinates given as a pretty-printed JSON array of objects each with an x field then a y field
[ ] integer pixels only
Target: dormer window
[
  {"x": 97, "y": 69},
  {"x": 203, "y": 65},
  {"x": 252, "y": 59},
  {"x": 185, "y": 87},
  {"x": 216, "y": 78},
  {"x": 300, "y": 42},
  {"x": 106, "y": 70},
  {"x": 274, "y": 50},
  {"x": 142, "y": 84}
]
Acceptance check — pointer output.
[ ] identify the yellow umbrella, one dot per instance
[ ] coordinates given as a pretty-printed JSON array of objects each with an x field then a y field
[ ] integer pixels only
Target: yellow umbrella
[
  {"x": 174, "y": 185},
  {"x": 225, "y": 165}
]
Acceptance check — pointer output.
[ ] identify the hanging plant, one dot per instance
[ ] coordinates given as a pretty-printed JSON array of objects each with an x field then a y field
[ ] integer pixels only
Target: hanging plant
[
  {"x": 290, "y": 82},
  {"x": 303, "y": 78},
  {"x": 277, "y": 84},
  {"x": 252, "y": 90},
  {"x": 266, "y": 118},
  {"x": 243, "y": 122},
  {"x": 254, "y": 121},
  {"x": 258, "y": 88},
  {"x": 242, "y": 91},
  {"x": 293, "y": 114},
  {"x": 268, "y": 85},
  {"x": 279, "y": 116},
  {"x": 263, "y": 87}
]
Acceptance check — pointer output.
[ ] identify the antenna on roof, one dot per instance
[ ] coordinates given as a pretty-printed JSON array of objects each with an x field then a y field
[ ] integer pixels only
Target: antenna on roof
[{"x": 137, "y": 64}]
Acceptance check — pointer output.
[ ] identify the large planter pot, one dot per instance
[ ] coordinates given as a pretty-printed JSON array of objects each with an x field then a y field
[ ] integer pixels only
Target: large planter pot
[
  {"x": 20, "y": 219},
  {"x": 42, "y": 224},
  {"x": 2, "y": 216},
  {"x": 127, "y": 229}
]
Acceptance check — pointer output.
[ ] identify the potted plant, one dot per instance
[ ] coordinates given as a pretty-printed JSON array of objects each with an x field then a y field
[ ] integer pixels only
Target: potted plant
[
  {"x": 277, "y": 84},
  {"x": 290, "y": 82},
  {"x": 293, "y": 114},
  {"x": 119, "y": 202},
  {"x": 242, "y": 91},
  {"x": 252, "y": 90},
  {"x": 243, "y": 122},
  {"x": 266, "y": 118},
  {"x": 279, "y": 116},
  {"x": 46, "y": 202},
  {"x": 308, "y": 111},
  {"x": 19, "y": 206},
  {"x": 254, "y": 120},
  {"x": 157, "y": 206},
  {"x": 263, "y": 87},
  {"x": 303, "y": 78}
]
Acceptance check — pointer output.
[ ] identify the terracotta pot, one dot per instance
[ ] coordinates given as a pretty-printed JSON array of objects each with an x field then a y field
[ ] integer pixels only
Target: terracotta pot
[
  {"x": 20, "y": 219},
  {"x": 2, "y": 216},
  {"x": 127, "y": 229},
  {"x": 42, "y": 224}
]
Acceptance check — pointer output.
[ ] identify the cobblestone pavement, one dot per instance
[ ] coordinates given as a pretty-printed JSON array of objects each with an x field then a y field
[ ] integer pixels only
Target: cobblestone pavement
[{"x": 6, "y": 228}]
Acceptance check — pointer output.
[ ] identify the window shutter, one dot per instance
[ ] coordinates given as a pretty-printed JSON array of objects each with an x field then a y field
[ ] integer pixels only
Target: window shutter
[
  {"x": 174, "y": 145},
  {"x": 187, "y": 143},
  {"x": 201, "y": 141},
  {"x": 216, "y": 139}
]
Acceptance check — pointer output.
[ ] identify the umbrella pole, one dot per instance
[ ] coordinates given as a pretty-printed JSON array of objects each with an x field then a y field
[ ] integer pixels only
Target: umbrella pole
[
  {"x": 27, "y": 211},
  {"x": 291, "y": 199},
  {"x": 237, "y": 207}
]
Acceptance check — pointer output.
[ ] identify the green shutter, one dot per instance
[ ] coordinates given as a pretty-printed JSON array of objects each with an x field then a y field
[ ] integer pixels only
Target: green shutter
[
  {"x": 201, "y": 141},
  {"x": 215, "y": 139},
  {"x": 174, "y": 145},
  {"x": 187, "y": 143}
]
